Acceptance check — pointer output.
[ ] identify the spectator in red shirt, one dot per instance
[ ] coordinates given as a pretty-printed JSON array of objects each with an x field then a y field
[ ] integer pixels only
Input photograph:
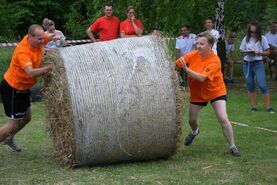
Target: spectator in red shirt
[
  {"x": 107, "y": 26},
  {"x": 131, "y": 27}
]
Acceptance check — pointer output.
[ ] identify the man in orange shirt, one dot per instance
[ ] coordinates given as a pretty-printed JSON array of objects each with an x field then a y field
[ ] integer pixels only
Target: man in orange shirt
[
  {"x": 19, "y": 78},
  {"x": 206, "y": 84},
  {"x": 107, "y": 26}
]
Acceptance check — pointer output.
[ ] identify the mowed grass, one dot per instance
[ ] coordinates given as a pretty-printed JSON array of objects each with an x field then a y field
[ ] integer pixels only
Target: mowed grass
[{"x": 206, "y": 161}]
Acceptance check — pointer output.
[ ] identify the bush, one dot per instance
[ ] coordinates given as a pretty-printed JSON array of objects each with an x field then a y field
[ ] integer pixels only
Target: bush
[{"x": 5, "y": 58}]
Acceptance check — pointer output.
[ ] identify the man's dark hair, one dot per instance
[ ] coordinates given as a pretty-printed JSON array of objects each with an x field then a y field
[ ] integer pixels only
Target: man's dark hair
[
  {"x": 209, "y": 18},
  {"x": 185, "y": 26},
  {"x": 155, "y": 28},
  {"x": 107, "y": 4},
  {"x": 232, "y": 35}
]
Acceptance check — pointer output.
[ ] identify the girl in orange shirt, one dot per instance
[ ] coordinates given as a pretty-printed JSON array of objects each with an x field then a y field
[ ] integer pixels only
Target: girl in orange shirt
[{"x": 206, "y": 84}]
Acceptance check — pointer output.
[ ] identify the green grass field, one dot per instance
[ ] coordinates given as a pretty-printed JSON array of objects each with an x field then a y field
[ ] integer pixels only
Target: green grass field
[{"x": 206, "y": 161}]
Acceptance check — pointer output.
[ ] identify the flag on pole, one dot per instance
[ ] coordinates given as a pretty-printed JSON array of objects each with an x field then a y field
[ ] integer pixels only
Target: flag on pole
[{"x": 219, "y": 17}]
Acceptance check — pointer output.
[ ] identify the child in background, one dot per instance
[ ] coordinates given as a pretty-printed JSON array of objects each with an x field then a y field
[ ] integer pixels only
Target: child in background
[{"x": 230, "y": 48}]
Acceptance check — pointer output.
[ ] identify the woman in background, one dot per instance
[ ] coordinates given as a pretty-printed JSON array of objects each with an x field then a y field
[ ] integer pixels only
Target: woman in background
[
  {"x": 49, "y": 26},
  {"x": 254, "y": 46},
  {"x": 131, "y": 27}
]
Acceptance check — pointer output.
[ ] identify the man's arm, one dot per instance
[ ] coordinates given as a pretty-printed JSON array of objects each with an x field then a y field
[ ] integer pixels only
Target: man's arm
[
  {"x": 90, "y": 35},
  {"x": 272, "y": 47},
  {"x": 35, "y": 72}
]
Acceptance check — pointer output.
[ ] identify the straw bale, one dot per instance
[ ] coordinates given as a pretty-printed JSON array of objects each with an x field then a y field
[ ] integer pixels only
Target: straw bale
[
  {"x": 114, "y": 101},
  {"x": 59, "y": 110}
]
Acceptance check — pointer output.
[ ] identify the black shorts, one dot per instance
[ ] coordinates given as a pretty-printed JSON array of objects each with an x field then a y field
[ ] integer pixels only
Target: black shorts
[
  {"x": 224, "y": 97},
  {"x": 16, "y": 102}
]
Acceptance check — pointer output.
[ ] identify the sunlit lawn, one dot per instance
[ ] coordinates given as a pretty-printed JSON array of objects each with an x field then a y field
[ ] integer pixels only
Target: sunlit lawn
[{"x": 206, "y": 161}]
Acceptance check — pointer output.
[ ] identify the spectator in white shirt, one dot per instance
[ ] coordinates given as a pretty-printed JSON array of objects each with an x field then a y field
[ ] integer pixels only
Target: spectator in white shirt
[
  {"x": 208, "y": 25},
  {"x": 184, "y": 44},
  {"x": 271, "y": 37},
  {"x": 49, "y": 26}
]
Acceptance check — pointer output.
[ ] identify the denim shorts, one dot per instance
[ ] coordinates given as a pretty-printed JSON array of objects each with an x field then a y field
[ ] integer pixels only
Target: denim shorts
[{"x": 254, "y": 69}]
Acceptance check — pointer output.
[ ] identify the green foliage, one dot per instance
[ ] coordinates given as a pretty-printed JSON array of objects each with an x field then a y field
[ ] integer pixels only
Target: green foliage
[
  {"x": 5, "y": 58},
  {"x": 270, "y": 12},
  {"x": 75, "y": 23},
  {"x": 74, "y": 17},
  {"x": 9, "y": 18},
  {"x": 238, "y": 13}
]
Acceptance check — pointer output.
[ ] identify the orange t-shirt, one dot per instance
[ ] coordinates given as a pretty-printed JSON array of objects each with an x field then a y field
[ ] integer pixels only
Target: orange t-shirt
[
  {"x": 24, "y": 55},
  {"x": 127, "y": 27},
  {"x": 210, "y": 67},
  {"x": 107, "y": 27}
]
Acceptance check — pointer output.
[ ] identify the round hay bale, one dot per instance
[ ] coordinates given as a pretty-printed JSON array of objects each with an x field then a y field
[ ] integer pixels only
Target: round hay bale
[{"x": 114, "y": 101}]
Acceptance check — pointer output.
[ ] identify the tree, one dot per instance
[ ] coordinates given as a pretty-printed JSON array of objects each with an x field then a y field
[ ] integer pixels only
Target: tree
[{"x": 74, "y": 17}]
